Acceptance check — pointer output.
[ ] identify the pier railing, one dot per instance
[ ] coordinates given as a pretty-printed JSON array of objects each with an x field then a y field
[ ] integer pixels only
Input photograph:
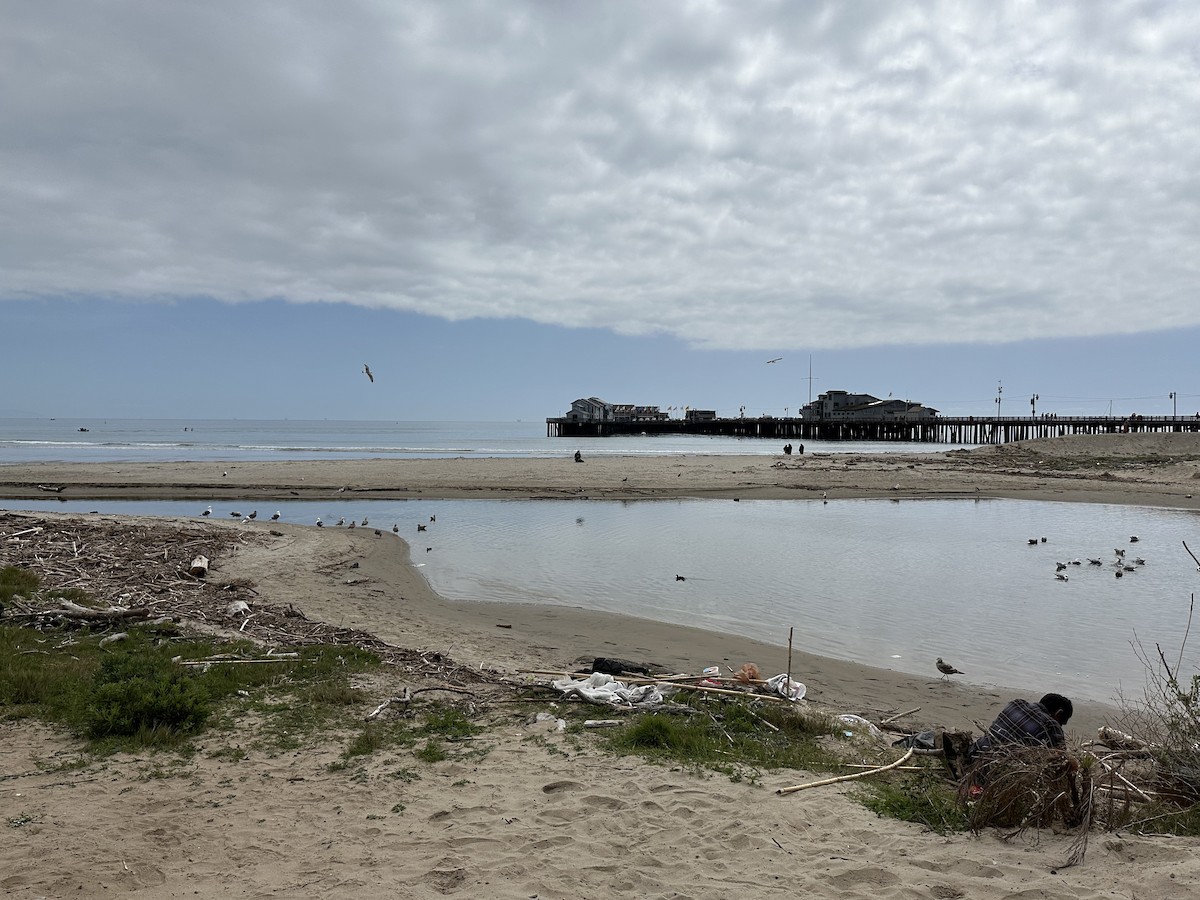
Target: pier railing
[{"x": 938, "y": 430}]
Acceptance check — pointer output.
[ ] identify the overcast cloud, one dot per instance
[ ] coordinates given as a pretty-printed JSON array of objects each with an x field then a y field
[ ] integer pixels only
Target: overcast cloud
[{"x": 741, "y": 175}]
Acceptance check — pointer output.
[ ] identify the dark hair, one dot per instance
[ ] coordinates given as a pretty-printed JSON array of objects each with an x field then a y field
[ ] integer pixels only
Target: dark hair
[{"x": 1054, "y": 703}]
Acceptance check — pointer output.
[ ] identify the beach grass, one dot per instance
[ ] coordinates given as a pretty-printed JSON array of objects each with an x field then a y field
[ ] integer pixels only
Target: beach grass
[
  {"x": 138, "y": 694},
  {"x": 924, "y": 798},
  {"x": 730, "y": 737}
]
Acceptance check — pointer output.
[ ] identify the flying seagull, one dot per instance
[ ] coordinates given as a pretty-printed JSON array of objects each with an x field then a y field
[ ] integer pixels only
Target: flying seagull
[
  {"x": 946, "y": 669},
  {"x": 367, "y": 372},
  {"x": 775, "y": 360}
]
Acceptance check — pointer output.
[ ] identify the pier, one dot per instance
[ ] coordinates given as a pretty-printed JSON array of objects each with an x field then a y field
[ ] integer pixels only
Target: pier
[{"x": 933, "y": 430}]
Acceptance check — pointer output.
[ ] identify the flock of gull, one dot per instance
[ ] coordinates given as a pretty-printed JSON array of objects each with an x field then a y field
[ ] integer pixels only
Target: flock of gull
[
  {"x": 1119, "y": 564},
  {"x": 320, "y": 523}
]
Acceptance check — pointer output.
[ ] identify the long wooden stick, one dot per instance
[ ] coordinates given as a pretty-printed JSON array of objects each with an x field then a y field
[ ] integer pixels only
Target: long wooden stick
[
  {"x": 852, "y": 777},
  {"x": 908, "y": 712},
  {"x": 788, "y": 683}
]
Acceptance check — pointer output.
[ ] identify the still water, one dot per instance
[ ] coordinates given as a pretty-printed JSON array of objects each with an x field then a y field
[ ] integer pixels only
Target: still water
[{"x": 889, "y": 584}]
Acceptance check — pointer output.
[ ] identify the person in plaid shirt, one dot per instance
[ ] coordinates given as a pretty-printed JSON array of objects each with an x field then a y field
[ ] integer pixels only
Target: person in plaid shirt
[{"x": 1030, "y": 724}]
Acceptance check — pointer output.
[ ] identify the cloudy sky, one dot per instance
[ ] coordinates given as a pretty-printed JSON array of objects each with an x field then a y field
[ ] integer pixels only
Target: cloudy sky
[{"x": 229, "y": 206}]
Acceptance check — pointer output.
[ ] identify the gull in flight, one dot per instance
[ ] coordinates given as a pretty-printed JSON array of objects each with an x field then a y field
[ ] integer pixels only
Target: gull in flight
[
  {"x": 367, "y": 372},
  {"x": 775, "y": 360}
]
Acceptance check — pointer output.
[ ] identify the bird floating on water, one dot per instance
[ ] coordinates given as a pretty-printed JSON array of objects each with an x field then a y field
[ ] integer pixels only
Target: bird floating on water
[
  {"x": 367, "y": 372},
  {"x": 1095, "y": 562},
  {"x": 395, "y": 529},
  {"x": 1060, "y": 576},
  {"x": 1133, "y": 539},
  {"x": 680, "y": 578},
  {"x": 1059, "y": 566},
  {"x": 420, "y": 527},
  {"x": 946, "y": 669}
]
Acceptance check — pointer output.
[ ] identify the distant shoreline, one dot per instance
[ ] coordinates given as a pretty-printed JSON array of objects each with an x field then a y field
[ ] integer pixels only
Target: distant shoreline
[{"x": 1138, "y": 469}]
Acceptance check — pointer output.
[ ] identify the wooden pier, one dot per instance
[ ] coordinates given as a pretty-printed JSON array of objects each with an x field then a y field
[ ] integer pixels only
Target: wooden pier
[{"x": 935, "y": 430}]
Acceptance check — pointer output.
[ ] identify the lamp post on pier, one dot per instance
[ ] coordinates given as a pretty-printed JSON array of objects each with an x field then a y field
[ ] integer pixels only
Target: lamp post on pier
[
  {"x": 999, "y": 394},
  {"x": 1033, "y": 406},
  {"x": 1174, "y": 405}
]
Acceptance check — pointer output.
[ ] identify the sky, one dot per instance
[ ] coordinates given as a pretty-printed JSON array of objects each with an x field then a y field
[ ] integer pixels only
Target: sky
[{"x": 226, "y": 209}]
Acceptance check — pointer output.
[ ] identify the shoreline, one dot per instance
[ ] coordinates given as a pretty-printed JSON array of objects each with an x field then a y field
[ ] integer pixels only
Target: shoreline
[{"x": 1134, "y": 469}]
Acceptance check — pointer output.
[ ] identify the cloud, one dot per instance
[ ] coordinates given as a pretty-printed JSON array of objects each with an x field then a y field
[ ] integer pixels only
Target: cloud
[{"x": 738, "y": 175}]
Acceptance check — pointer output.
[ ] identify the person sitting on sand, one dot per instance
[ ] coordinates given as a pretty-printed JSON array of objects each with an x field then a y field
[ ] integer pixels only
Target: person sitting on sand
[
  {"x": 1030, "y": 724},
  {"x": 578, "y": 456}
]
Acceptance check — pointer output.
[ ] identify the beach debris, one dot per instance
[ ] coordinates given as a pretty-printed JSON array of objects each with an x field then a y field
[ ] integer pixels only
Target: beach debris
[
  {"x": 857, "y": 726},
  {"x": 602, "y": 688},
  {"x": 786, "y": 688},
  {"x": 237, "y": 608},
  {"x": 543, "y": 718},
  {"x": 747, "y": 673},
  {"x": 946, "y": 669},
  {"x": 199, "y": 567},
  {"x": 852, "y": 777},
  {"x": 51, "y": 488},
  {"x": 614, "y": 666},
  {"x": 114, "y": 638},
  {"x": 382, "y": 707}
]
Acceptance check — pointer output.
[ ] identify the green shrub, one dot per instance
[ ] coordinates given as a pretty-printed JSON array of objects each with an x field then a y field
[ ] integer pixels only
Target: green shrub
[
  {"x": 15, "y": 580},
  {"x": 144, "y": 693}
]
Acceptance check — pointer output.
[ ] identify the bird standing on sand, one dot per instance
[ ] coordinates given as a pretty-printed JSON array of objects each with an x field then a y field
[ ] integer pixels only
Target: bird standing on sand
[
  {"x": 207, "y": 512},
  {"x": 253, "y": 514},
  {"x": 395, "y": 529},
  {"x": 275, "y": 516},
  {"x": 946, "y": 669},
  {"x": 320, "y": 524},
  {"x": 367, "y": 372}
]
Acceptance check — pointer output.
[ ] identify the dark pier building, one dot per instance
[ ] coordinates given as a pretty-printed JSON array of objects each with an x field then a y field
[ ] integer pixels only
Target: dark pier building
[{"x": 842, "y": 416}]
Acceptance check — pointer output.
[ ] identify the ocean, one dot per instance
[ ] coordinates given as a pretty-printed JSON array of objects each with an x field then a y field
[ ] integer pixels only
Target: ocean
[{"x": 233, "y": 440}]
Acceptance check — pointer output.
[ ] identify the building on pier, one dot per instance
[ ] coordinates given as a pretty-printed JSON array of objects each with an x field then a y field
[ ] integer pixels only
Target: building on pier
[{"x": 834, "y": 406}]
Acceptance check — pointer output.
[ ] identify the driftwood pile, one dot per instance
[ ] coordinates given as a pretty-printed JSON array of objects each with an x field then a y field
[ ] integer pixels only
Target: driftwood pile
[{"x": 141, "y": 570}]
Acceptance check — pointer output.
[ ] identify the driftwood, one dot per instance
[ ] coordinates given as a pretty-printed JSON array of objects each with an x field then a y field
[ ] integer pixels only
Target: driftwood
[
  {"x": 378, "y": 711},
  {"x": 853, "y": 777},
  {"x": 112, "y": 614},
  {"x": 199, "y": 567}
]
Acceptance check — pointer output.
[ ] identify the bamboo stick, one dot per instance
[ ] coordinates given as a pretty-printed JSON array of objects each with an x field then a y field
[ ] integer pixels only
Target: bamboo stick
[
  {"x": 852, "y": 777},
  {"x": 907, "y": 712}
]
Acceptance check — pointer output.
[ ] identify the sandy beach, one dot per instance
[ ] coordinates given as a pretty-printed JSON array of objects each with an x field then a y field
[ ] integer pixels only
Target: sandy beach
[{"x": 541, "y": 815}]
